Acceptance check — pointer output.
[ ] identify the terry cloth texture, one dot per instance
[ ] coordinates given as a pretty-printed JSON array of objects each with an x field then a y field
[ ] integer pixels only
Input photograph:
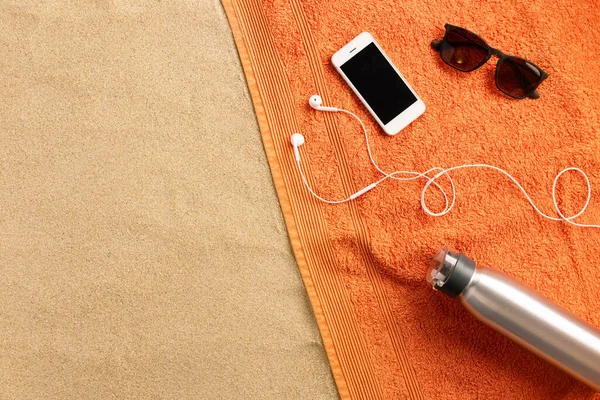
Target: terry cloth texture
[
  {"x": 388, "y": 335},
  {"x": 143, "y": 254}
]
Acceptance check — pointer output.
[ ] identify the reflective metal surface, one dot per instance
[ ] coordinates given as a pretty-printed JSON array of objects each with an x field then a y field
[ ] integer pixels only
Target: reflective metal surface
[{"x": 536, "y": 323}]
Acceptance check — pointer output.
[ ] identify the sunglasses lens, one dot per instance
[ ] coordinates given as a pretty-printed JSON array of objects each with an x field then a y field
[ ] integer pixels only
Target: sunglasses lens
[
  {"x": 463, "y": 50},
  {"x": 517, "y": 77}
]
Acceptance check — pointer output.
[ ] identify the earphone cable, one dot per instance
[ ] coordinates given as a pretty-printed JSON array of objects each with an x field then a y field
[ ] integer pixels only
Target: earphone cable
[{"x": 449, "y": 204}]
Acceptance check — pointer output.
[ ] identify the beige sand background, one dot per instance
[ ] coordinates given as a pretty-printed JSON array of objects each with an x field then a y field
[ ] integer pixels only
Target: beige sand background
[{"x": 142, "y": 249}]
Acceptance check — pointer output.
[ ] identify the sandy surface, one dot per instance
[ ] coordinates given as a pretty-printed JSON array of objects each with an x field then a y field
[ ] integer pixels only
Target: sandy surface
[{"x": 143, "y": 250}]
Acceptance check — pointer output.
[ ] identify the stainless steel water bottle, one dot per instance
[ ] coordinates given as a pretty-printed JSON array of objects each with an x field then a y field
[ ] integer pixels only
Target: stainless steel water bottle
[{"x": 521, "y": 314}]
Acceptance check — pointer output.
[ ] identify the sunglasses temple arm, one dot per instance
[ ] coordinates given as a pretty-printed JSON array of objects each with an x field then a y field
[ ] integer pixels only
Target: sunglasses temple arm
[
  {"x": 534, "y": 95},
  {"x": 436, "y": 45}
]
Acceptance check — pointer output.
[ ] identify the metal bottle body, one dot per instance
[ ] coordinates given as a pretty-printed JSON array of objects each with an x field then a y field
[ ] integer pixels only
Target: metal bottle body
[{"x": 535, "y": 323}]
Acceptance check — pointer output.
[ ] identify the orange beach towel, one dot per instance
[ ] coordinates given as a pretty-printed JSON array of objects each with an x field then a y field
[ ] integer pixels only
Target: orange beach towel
[{"x": 387, "y": 334}]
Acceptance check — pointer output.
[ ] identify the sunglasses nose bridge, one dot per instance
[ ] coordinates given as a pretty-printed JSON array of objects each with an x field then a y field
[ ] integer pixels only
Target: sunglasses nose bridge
[{"x": 496, "y": 52}]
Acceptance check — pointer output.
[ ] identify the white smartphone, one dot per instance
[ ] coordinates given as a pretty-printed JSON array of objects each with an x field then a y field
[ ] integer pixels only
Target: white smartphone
[{"x": 378, "y": 83}]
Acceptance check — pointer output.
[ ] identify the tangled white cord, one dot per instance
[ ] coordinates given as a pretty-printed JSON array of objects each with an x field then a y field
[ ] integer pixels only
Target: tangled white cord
[{"x": 439, "y": 172}]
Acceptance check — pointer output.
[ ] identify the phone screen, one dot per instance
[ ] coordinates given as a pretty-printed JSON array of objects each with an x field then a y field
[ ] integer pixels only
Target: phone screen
[{"x": 378, "y": 83}]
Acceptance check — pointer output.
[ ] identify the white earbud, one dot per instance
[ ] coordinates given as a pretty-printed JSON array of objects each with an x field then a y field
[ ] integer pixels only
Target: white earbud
[
  {"x": 316, "y": 102},
  {"x": 297, "y": 140}
]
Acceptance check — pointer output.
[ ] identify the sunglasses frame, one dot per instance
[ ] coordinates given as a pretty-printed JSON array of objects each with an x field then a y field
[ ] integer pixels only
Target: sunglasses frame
[{"x": 533, "y": 93}]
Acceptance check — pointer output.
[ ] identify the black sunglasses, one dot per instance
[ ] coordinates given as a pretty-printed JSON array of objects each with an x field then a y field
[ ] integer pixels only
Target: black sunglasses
[{"x": 465, "y": 51}]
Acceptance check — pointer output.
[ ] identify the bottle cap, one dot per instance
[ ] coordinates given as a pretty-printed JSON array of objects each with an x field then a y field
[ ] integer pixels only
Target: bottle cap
[{"x": 450, "y": 272}]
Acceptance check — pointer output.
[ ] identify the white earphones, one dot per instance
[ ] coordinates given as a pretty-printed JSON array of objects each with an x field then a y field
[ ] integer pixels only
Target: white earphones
[
  {"x": 297, "y": 140},
  {"x": 316, "y": 102}
]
